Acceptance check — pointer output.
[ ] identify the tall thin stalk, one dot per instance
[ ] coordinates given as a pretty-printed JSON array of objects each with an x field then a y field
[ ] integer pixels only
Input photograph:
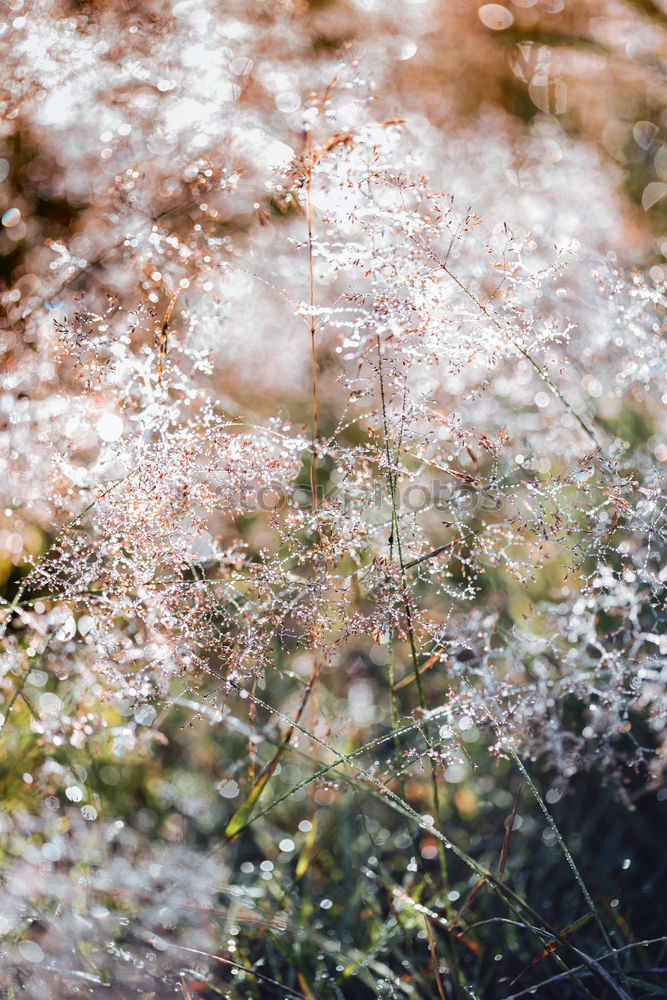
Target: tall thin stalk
[
  {"x": 311, "y": 303},
  {"x": 395, "y": 536}
]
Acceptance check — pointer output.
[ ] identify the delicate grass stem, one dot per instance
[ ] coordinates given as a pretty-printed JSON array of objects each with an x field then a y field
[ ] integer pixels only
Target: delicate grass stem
[
  {"x": 311, "y": 302},
  {"x": 396, "y": 537}
]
